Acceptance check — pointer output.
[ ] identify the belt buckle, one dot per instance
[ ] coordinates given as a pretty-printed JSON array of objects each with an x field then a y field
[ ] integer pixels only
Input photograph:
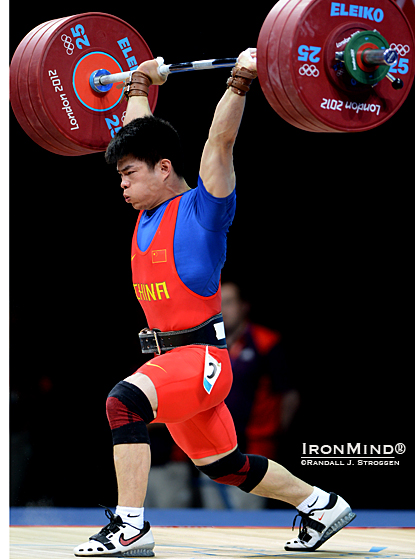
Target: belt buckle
[{"x": 147, "y": 331}]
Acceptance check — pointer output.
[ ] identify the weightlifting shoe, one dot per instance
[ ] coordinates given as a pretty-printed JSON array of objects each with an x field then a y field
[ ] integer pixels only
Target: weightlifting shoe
[
  {"x": 118, "y": 539},
  {"x": 319, "y": 525}
]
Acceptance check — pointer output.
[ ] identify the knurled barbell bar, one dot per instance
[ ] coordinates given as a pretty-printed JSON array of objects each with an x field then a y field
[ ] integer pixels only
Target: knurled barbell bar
[
  {"x": 321, "y": 66},
  {"x": 102, "y": 81}
]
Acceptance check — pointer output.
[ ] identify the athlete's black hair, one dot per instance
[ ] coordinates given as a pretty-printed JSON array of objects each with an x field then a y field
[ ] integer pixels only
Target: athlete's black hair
[{"x": 149, "y": 139}]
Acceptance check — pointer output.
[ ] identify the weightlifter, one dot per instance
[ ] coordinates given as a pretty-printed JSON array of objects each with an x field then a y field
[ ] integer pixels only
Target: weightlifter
[{"x": 178, "y": 250}]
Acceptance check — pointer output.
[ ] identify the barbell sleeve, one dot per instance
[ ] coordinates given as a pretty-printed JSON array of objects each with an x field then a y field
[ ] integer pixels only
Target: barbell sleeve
[
  {"x": 108, "y": 79},
  {"x": 376, "y": 57}
]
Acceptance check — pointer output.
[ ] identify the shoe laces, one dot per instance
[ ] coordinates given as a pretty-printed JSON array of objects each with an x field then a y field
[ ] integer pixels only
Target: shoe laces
[
  {"x": 115, "y": 522},
  {"x": 303, "y": 535}
]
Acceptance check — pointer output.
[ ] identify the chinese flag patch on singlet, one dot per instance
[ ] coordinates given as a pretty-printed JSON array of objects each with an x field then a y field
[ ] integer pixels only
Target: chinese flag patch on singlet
[{"x": 158, "y": 256}]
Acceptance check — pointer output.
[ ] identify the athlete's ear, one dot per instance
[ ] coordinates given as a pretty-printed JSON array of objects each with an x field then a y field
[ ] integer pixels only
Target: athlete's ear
[{"x": 165, "y": 167}]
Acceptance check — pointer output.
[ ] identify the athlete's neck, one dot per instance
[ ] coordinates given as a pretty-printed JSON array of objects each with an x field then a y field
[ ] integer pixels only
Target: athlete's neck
[{"x": 173, "y": 187}]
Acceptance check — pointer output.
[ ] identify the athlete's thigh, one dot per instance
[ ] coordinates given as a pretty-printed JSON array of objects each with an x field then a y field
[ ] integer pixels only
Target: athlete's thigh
[
  {"x": 178, "y": 377},
  {"x": 208, "y": 433}
]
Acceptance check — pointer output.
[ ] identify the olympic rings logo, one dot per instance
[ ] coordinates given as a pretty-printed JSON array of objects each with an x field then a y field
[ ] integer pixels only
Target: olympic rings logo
[
  {"x": 309, "y": 70},
  {"x": 401, "y": 49},
  {"x": 68, "y": 44}
]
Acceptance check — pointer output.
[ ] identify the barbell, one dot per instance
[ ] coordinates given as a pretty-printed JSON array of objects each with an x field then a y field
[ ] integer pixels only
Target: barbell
[{"x": 323, "y": 66}]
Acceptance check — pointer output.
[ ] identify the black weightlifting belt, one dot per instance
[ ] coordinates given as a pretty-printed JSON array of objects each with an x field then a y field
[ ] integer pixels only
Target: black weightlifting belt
[{"x": 211, "y": 332}]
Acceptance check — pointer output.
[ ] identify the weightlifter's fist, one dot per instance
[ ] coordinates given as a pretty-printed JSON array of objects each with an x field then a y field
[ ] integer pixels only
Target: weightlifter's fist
[
  {"x": 247, "y": 59},
  {"x": 150, "y": 68}
]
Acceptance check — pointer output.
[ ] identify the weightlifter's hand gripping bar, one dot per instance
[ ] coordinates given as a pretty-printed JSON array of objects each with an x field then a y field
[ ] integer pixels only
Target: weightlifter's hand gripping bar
[{"x": 101, "y": 80}]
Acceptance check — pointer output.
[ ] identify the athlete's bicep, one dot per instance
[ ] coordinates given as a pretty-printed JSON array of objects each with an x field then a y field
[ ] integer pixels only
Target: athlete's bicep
[{"x": 216, "y": 169}]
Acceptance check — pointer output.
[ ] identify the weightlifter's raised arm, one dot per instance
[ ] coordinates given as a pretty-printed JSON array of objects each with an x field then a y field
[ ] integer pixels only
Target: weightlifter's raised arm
[{"x": 216, "y": 167}]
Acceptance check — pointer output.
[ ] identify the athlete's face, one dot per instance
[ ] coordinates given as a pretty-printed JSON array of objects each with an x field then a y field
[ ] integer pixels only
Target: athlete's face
[{"x": 143, "y": 187}]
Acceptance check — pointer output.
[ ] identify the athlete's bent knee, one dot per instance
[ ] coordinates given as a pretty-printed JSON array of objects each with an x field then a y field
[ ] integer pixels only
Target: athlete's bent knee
[
  {"x": 128, "y": 412},
  {"x": 245, "y": 471}
]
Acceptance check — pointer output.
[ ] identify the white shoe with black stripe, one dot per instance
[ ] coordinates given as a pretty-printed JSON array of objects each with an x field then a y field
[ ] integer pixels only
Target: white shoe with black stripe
[
  {"x": 319, "y": 525},
  {"x": 118, "y": 539}
]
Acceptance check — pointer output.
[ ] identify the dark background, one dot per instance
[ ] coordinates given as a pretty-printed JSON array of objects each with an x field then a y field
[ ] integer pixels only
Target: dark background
[{"x": 321, "y": 241}]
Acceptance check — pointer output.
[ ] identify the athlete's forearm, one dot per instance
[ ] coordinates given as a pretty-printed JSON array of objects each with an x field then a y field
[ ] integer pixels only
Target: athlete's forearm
[
  {"x": 228, "y": 114},
  {"x": 227, "y": 119},
  {"x": 137, "y": 107}
]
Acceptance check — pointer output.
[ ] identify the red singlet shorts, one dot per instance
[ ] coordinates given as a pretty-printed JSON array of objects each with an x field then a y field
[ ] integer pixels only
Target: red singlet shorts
[{"x": 199, "y": 421}]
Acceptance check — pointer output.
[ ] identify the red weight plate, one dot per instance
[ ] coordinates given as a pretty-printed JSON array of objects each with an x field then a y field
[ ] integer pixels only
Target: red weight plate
[
  {"x": 278, "y": 52},
  {"x": 268, "y": 66},
  {"x": 29, "y": 92},
  {"x": 285, "y": 55},
  {"x": 44, "y": 128},
  {"x": 315, "y": 30},
  {"x": 62, "y": 61},
  {"x": 314, "y": 124},
  {"x": 21, "y": 110},
  {"x": 282, "y": 49},
  {"x": 308, "y": 57},
  {"x": 31, "y": 88}
]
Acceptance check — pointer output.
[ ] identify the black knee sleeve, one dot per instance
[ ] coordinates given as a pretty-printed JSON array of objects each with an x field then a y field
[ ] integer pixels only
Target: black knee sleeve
[
  {"x": 128, "y": 412},
  {"x": 243, "y": 470}
]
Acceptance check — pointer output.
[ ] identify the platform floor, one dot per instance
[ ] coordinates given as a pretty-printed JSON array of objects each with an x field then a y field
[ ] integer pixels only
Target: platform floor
[
  {"x": 53, "y": 542},
  {"x": 51, "y": 533}
]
